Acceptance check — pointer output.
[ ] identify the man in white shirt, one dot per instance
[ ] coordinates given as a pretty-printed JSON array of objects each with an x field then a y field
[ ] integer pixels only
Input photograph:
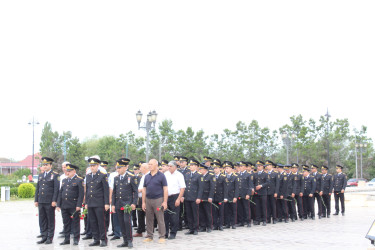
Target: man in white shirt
[
  {"x": 114, "y": 218},
  {"x": 176, "y": 189}
]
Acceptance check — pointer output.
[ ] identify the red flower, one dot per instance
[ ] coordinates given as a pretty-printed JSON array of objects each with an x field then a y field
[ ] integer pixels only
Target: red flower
[
  {"x": 110, "y": 212},
  {"x": 122, "y": 208},
  {"x": 239, "y": 198},
  {"x": 71, "y": 217},
  {"x": 82, "y": 217},
  {"x": 83, "y": 205},
  {"x": 158, "y": 209},
  {"x": 36, "y": 215},
  {"x": 219, "y": 203}
]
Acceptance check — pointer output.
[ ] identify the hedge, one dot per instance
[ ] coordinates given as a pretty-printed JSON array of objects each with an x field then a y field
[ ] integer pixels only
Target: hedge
[
  {"x": 26, "y": 190},
  {"x": 14, "y": 191}
]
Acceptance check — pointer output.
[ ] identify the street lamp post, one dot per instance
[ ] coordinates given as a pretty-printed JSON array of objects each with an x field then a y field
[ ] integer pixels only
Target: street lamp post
[
  {"x": 328, "y": 116},
  {"x": 148, "y": 126},
  {"x": 287, "y": 140},
  {"x": 32, "y": 161},
  {"x": 361, "y": 147}
]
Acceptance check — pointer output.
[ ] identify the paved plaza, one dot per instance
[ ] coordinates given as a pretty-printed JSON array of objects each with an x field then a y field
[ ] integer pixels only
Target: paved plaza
[{"x": 19, "y": 228}]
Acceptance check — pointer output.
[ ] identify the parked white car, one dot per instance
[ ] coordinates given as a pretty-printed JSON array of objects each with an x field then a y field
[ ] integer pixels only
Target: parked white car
[{"x": 371, "y": 183}]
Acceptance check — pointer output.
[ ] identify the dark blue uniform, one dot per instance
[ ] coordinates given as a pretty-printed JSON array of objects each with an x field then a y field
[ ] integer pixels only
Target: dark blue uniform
[
  {"x": 326, "y": 188},
  {"x": 245, "y": 186},
  {"x": 289, "y": 202},
  {"x": 97, "y": 196},
  {"x": 193, "y": 191},
  {"x": 46, "y": 192},
  {"x": 205, "y": 208},
  {"x": 339, "y": 183},
  {"x": 280, "y": 204},
  {"x": 273, "y": 189},
  {"x": 309, "y": 187},
  {"x": 183, "y": 218},
  {"x": 261, "y": 178},
  {"x": 230, "y": 208},
  {"x": 70, "y": 197},
  {"x": 218, "y": 213},
  {"x": 125, "y": 192},
  {"x": 317, "y": 197},
  {"x": 298, "y": 182}
]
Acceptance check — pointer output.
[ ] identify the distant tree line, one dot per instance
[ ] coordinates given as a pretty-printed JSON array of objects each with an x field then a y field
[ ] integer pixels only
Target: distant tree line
[{"x": 307, "y": 142}]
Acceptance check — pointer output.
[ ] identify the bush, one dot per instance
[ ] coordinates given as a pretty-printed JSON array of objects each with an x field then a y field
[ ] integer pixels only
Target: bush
[
  {"x": 20, "y": 172},
  {"x": 14, "y": 191},
  {"x": 26, "y": 190}
]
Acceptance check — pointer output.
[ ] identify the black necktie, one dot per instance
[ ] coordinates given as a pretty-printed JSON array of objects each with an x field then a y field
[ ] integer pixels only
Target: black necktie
[{"x": 69, "y": 179}]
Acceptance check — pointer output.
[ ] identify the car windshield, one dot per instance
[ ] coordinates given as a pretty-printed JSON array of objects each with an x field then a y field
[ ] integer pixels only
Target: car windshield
[{"x": 352, "y": 180}]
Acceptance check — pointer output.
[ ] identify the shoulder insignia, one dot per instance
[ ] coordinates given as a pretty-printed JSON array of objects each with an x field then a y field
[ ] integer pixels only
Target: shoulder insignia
[
  {"x": 103, "y": 172},
  {"x": 223, "y": 175},
  {"x": 200, "y": 173},
  {"x": 211, "y": 174},
  {"x": 235, "y": 174},
  {"x": 214, "y": 179},
  {"x": 58, "y": 178},
  {"x": 79, "y": 177},
  {"x": 314, "y": 180},
  {"x": 252, "y": 177},
  {"x": 130, "y": 174}
]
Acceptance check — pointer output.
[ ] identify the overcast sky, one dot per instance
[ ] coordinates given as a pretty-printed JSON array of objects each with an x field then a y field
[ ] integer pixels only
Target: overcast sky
[{"x": 89, "y": 66}]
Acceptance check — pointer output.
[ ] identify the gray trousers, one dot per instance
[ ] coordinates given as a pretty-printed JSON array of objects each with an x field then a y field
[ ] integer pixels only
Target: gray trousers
[{"x": 152, "y": 206}]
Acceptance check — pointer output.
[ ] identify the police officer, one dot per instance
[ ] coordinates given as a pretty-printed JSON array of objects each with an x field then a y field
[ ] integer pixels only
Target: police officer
[
  {"x": 298, "y": 190},
  {"x": 309, "y": 187},
  {"x": 46, "y": 193},
  {"x": 104, "y": 164},
  {"x": 261, "y": 183},
  {"x": 289, "y": 194},
  {"x": 317, "y": 197},
  {"x": 280, "y": 195},
  {"x": 272, "y": 192},
  {"x": 339, "y": 185},
  {"x": 326, "y": 191},
  {"x": 97, "y": 201},
  {"x": 125, "y": 193},
  {"x": 230, "y": 198},
  {"x": 205, "y": 207},
  {"x": 246, "y": 189},
  {"x": 192, "y": 196},
  {"x": 220, "y": 189},
  {"x": 70, "y": 201},
  {"x": 250, "y": 170}
]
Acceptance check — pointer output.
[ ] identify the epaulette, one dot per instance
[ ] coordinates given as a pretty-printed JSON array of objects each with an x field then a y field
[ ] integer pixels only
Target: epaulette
[
  {"x": 223, "y": 175},
  {"x": 200, "y": 173},
  {"x": 130, "y": 174},
  {"x": 235, "y": 174},
  {"x": 79, "y": 177},
  {"x": 211, "y": 173},
  {"x": 55, "y": 172},
  {"x": 103, "y": 172}
]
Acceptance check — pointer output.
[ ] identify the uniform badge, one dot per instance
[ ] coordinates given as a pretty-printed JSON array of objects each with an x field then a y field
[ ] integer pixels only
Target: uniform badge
[
  {"x": 51, "y": 176},
  {"x": 129, "y": 179},
  {"x": 214, "y": 179},
  {"x": 285, "y": 178},
  {"x": 201, "y": 178},
  {"x": 136, "y": 181}
]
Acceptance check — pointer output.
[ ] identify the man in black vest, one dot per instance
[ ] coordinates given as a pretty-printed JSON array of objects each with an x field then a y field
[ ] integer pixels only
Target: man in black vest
[
  {"x": 339, "y": 185},
  {"x": 261, "y": 183},
  {"x": 308, "y": 189},
  {"x": 97, "y": 201},
  {"x": 220, "y": 189},
  {"x": 46, "y": 193},
  {"x": 70, "y": 201},
  {"x": 125, "y": 192},
  {"x": 326, "y": 191}
]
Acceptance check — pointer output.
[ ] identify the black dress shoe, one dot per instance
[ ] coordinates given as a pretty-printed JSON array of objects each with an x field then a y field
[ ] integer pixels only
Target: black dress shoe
[
  {"x": 189, "y": 232},
  {"x": 328, "y": 216},
  {"x": 103, "y": 244},
  {"x": 280, "y": 220},
  {"x": 61, "y": 232},
  {"x": 241, "y": 225},
  {"x": 195, "y": 232},
  {"x": 248, "y": 224},
  {"x": 273, "y": 221},
  {"x": 48, "y": 241},
  {"x": 286, "y": 221},
  {"x": 343, "y": 214},
  {"x": 337, "y": 213},
  {"x": 95, "y": 243},
  {"x": 221, "y": 229},
  {"x": 65, "y": 242},
  {"x": 42, "y": 241},
  {"x": 111, "y": 234},
  {"x": 293, "y": 220},
  {"x": 75, "y": 242},
  {"x": 84, "y": 233},
  {"x": 61, "y": 236},
  {"x": 87, "y": 238},
  {"x": 233, "y": 227},
  {"x": 115, "y": 238},
  {"x": 264, "y": 223},
  {"x": 209, "y": 230},
  {"x": 130, "y": 244},
  {"x": 124, "y": 244},
  {"x": 202, "y": 230},
  {"x": 320, "y": 216},
  {"x": 227, "y": 226},
  {"x": 39, "y": 236},
  {"x": 302, "y": 218},
  {"x": 313, "y": 218},
  {"x": 172, "y": 237},
  {"x": 324, "y": 216}
]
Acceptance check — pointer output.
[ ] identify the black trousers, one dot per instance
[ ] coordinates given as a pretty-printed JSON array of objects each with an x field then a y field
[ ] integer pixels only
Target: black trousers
[
  {"x": 299, "y": 206},
  {"x": 230, "y": 214},
  {"x": 218, "y": 214},
  {"x": 318, "y": 198},
  {"x": 326, "y": 209},
  {"x": 46, "y": 220},
  {"x": 71, "y": 225},
  {"x": 280, "y": 209},
  {"x": 290, "y": 207},
  {"x": 339, "y": 196},
  {"x": 141, "y": 218},
  {"x": 271, "y": 206},
  {"x": 205, "y": 215},
  {"x": 126, "y": 224},
  {"x": 261, "y": 208},
  {"x": 106, "y": 220},
  {"x": 171, "y": 220},
  {"x": 308, "y": 206},
  {"x": 243, "y": 211},
  {"x": 97, "y": 223},
  {"x": 134, "y": 218},
  {"x": 182, "y": 217},
  {"x": 192, "y": 214}
]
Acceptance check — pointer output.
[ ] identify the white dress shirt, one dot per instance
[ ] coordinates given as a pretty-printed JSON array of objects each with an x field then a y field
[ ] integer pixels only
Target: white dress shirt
[
  {"x": 140, "y": 187},
  {"x": 175, "y": 182},
  {"x": 111, "y": 179},
  {"x": 62, "y": 177}
]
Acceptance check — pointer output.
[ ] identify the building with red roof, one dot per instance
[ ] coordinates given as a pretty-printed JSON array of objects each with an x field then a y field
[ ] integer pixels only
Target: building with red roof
[{"x": 11, "y": 167}]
